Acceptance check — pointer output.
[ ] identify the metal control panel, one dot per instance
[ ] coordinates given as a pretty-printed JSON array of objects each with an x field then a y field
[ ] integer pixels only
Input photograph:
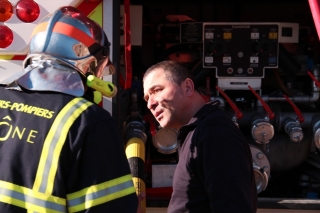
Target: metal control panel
[{"x": 240, "y": 49}]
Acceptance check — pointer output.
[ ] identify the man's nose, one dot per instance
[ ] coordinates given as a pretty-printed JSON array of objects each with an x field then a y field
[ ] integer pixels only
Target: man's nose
[{"x": 152, "y": 103}]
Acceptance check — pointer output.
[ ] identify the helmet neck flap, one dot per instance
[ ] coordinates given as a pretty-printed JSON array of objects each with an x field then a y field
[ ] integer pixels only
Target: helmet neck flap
[{"x": 46, "y": 73}]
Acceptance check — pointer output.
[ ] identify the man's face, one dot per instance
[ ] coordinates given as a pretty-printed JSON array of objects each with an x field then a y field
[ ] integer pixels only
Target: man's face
[{"x": 166, "y": 100}]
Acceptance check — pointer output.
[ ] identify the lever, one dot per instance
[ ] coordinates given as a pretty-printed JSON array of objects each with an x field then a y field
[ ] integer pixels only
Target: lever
[
  {"x": 236, "y": 110},
  {"x": 314, "y": 79},
  {"x": 297, "y": 111},
  {"x": 265, "y": 106}
]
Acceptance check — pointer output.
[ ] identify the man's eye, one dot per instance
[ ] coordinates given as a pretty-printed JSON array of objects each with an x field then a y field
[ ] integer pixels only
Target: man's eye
[{"x": 156, "y": 91}]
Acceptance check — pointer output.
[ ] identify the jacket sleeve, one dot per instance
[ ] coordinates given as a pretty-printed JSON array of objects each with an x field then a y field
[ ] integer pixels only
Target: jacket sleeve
[
  {"x": 100, "y": 179},
  {"x": 225, "y": 166}
]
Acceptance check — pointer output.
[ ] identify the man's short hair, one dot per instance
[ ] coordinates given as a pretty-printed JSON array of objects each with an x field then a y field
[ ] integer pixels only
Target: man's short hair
[{"x": 175, "y": 71}]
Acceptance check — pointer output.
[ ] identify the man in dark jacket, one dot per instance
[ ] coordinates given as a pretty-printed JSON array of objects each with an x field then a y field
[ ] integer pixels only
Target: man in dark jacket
[
  {"x": 60, "y": 151},
  {"x": 215, "y": 171}
]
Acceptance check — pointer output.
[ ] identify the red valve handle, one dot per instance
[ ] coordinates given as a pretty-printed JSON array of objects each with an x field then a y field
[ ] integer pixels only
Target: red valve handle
[
  {"x": 314, "y": 79},
  {"x": 297, "y": 111},
  {"x": 265, "y": 106},
  {"x": 237, "y": 112}
]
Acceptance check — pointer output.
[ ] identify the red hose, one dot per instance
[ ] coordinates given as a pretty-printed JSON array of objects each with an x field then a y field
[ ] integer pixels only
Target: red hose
[
  {"x": 127, "y": 46},
  {"x": 315, "y": 10}
]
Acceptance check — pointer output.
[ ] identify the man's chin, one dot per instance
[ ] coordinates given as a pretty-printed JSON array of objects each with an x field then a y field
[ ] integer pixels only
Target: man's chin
[{"x": 163, "y": 124}]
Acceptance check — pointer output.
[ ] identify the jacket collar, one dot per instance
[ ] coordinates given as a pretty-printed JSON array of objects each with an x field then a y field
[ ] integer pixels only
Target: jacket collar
[{"x": 204, "y": 111}]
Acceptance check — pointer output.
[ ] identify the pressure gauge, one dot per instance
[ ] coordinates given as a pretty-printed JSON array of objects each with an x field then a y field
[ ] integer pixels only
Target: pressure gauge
[
  {"x": 165, "y": 140},
  {"x": 262, "y": 131}
]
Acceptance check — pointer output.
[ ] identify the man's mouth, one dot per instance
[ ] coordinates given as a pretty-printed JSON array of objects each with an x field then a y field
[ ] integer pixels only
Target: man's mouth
[{"x": 158, "y": 114}]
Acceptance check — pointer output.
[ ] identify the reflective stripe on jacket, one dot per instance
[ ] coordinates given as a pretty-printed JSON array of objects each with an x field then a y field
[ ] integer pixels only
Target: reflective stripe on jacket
[{"x": 39, "y": 198}]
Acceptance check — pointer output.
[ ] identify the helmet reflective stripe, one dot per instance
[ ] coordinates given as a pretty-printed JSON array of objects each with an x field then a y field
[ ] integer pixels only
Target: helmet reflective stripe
[
  {"x": 54, "y": 142},
  {"x": 28, "y": 199},
  {"x": 40, "y": 28},
  {"x": 100, "y": 193},
  {"x": 68, "y": 30},
  {"x": 73, "y": 32}
]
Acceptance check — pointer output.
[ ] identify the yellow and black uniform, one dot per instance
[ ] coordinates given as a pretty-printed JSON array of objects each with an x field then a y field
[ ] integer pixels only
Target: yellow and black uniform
[{"x": 60, "y": 153}]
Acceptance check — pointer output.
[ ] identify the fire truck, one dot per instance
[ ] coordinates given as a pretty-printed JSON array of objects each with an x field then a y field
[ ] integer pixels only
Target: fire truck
[{"x": 260, "y": 59}]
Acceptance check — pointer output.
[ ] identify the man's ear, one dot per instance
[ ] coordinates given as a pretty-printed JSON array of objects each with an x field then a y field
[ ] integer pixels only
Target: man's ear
[{"x": 189, "y": 86}]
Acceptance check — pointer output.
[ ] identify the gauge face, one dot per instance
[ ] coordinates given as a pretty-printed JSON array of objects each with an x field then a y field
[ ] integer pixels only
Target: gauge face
[
  {"x": 260, "y": 182},
  {"x": 261, "y": 167},
  {"x": 296, "y": 136},
  {"x": 165, "y": 140},
  {"x": 262, "y": 132}
]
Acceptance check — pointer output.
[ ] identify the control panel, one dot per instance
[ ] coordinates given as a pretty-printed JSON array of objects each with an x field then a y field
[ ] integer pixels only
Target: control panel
[{"x": 240, "y": 49}]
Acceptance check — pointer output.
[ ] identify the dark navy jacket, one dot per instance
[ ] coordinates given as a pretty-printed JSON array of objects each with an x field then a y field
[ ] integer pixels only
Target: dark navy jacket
[
  {"x": 215, "y": 171},
  {"x": 88, "y": 173}
]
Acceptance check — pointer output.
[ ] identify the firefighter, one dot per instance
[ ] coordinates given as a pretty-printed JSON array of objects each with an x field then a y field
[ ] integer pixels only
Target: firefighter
[{"x": 59, "y": 150}]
